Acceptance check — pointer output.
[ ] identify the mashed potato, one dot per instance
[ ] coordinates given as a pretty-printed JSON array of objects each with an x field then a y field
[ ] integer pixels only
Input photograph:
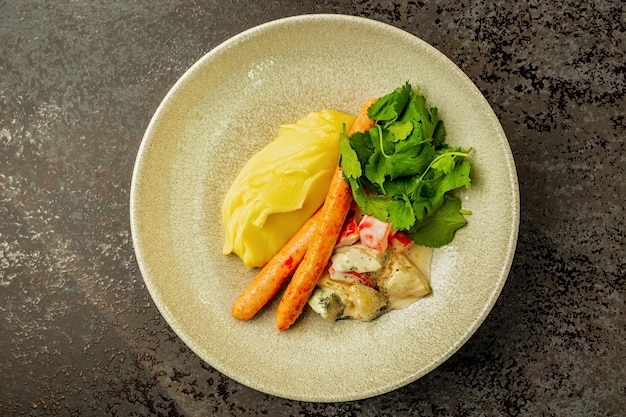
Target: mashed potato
[{"x": 281, "y": 186}]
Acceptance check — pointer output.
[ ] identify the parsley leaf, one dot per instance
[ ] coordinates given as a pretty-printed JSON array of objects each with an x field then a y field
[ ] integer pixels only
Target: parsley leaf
[
  {"x": 349, "y": 158},
  {"x": 400, "y": 130},
  {"x": 370, "y": 204},
  {"x": 390, "y": 106},
  {"x": 401, "y": 214},
  {"x": 410, "y": 159},
  {"x": 438, "y": 229}
]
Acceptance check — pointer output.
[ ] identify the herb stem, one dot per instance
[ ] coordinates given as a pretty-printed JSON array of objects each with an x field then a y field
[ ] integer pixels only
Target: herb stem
[
  {"x": 455, "y": 153},
  {"x": 380, "y": 140}
]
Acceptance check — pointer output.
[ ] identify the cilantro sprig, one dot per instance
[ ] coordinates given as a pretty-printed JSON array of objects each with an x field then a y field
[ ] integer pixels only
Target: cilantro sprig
[{"x": 401, "y": 170}]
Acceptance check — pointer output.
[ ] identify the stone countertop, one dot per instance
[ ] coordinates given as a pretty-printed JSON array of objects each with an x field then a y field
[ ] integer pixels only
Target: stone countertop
[{"x": 79, "y": 82}]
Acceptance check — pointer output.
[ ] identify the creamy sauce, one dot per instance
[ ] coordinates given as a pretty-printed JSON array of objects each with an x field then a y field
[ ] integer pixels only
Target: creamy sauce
[
  {"x": 363, "y": 284},
  {"x": 409, "y": 277}
]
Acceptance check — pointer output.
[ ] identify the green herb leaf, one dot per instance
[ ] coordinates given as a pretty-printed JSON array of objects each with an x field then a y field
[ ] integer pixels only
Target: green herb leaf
[
  {"x": 349, "y": 158},
  {"x": 400, "y": 130},
  {"x": 370, "y": 204},
  {"x": 363, "y": 147},
  {"x": 438, "y": 229},
  {"x": 439, "y": 133},
  {"x": 401, "y": 214},
  {"x": 410, "y": 159},
  {"x": 390, "y": 106}
]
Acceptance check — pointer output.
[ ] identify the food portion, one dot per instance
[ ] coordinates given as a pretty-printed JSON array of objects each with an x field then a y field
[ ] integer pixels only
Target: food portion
[
  {"x": 274, "y": 274},
  {"x": 372, "y": 270},
  {"x": 332, "y": 216},
  {"x": 351, "y": 234},
  {"x": 321, "y": 245},
  {"x": 401, "y": 170},
  {"x": 281, "y": 186}
]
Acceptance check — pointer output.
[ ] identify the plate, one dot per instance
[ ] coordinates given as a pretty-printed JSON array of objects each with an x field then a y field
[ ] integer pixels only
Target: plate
[{"x": 226, "y": 107}]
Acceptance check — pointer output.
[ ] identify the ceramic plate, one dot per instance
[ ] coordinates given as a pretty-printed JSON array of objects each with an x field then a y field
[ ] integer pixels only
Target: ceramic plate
[{"x": 226, "y": 107}]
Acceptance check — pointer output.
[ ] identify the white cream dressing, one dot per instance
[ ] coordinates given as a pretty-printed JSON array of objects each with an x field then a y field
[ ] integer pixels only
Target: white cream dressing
[{"x": 403, "y": 277}]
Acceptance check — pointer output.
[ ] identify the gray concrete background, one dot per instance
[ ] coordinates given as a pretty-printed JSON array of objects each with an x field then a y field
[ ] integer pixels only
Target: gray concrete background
[{"x": 79, "y": 82}]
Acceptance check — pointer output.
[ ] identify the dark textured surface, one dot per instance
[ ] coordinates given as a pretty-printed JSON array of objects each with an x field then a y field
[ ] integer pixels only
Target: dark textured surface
[{"x": 79, "y": 82}]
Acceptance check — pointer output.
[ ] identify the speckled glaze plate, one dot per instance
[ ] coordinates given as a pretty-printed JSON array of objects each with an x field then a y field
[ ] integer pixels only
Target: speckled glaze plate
[{"x": 226, "y": 107}]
